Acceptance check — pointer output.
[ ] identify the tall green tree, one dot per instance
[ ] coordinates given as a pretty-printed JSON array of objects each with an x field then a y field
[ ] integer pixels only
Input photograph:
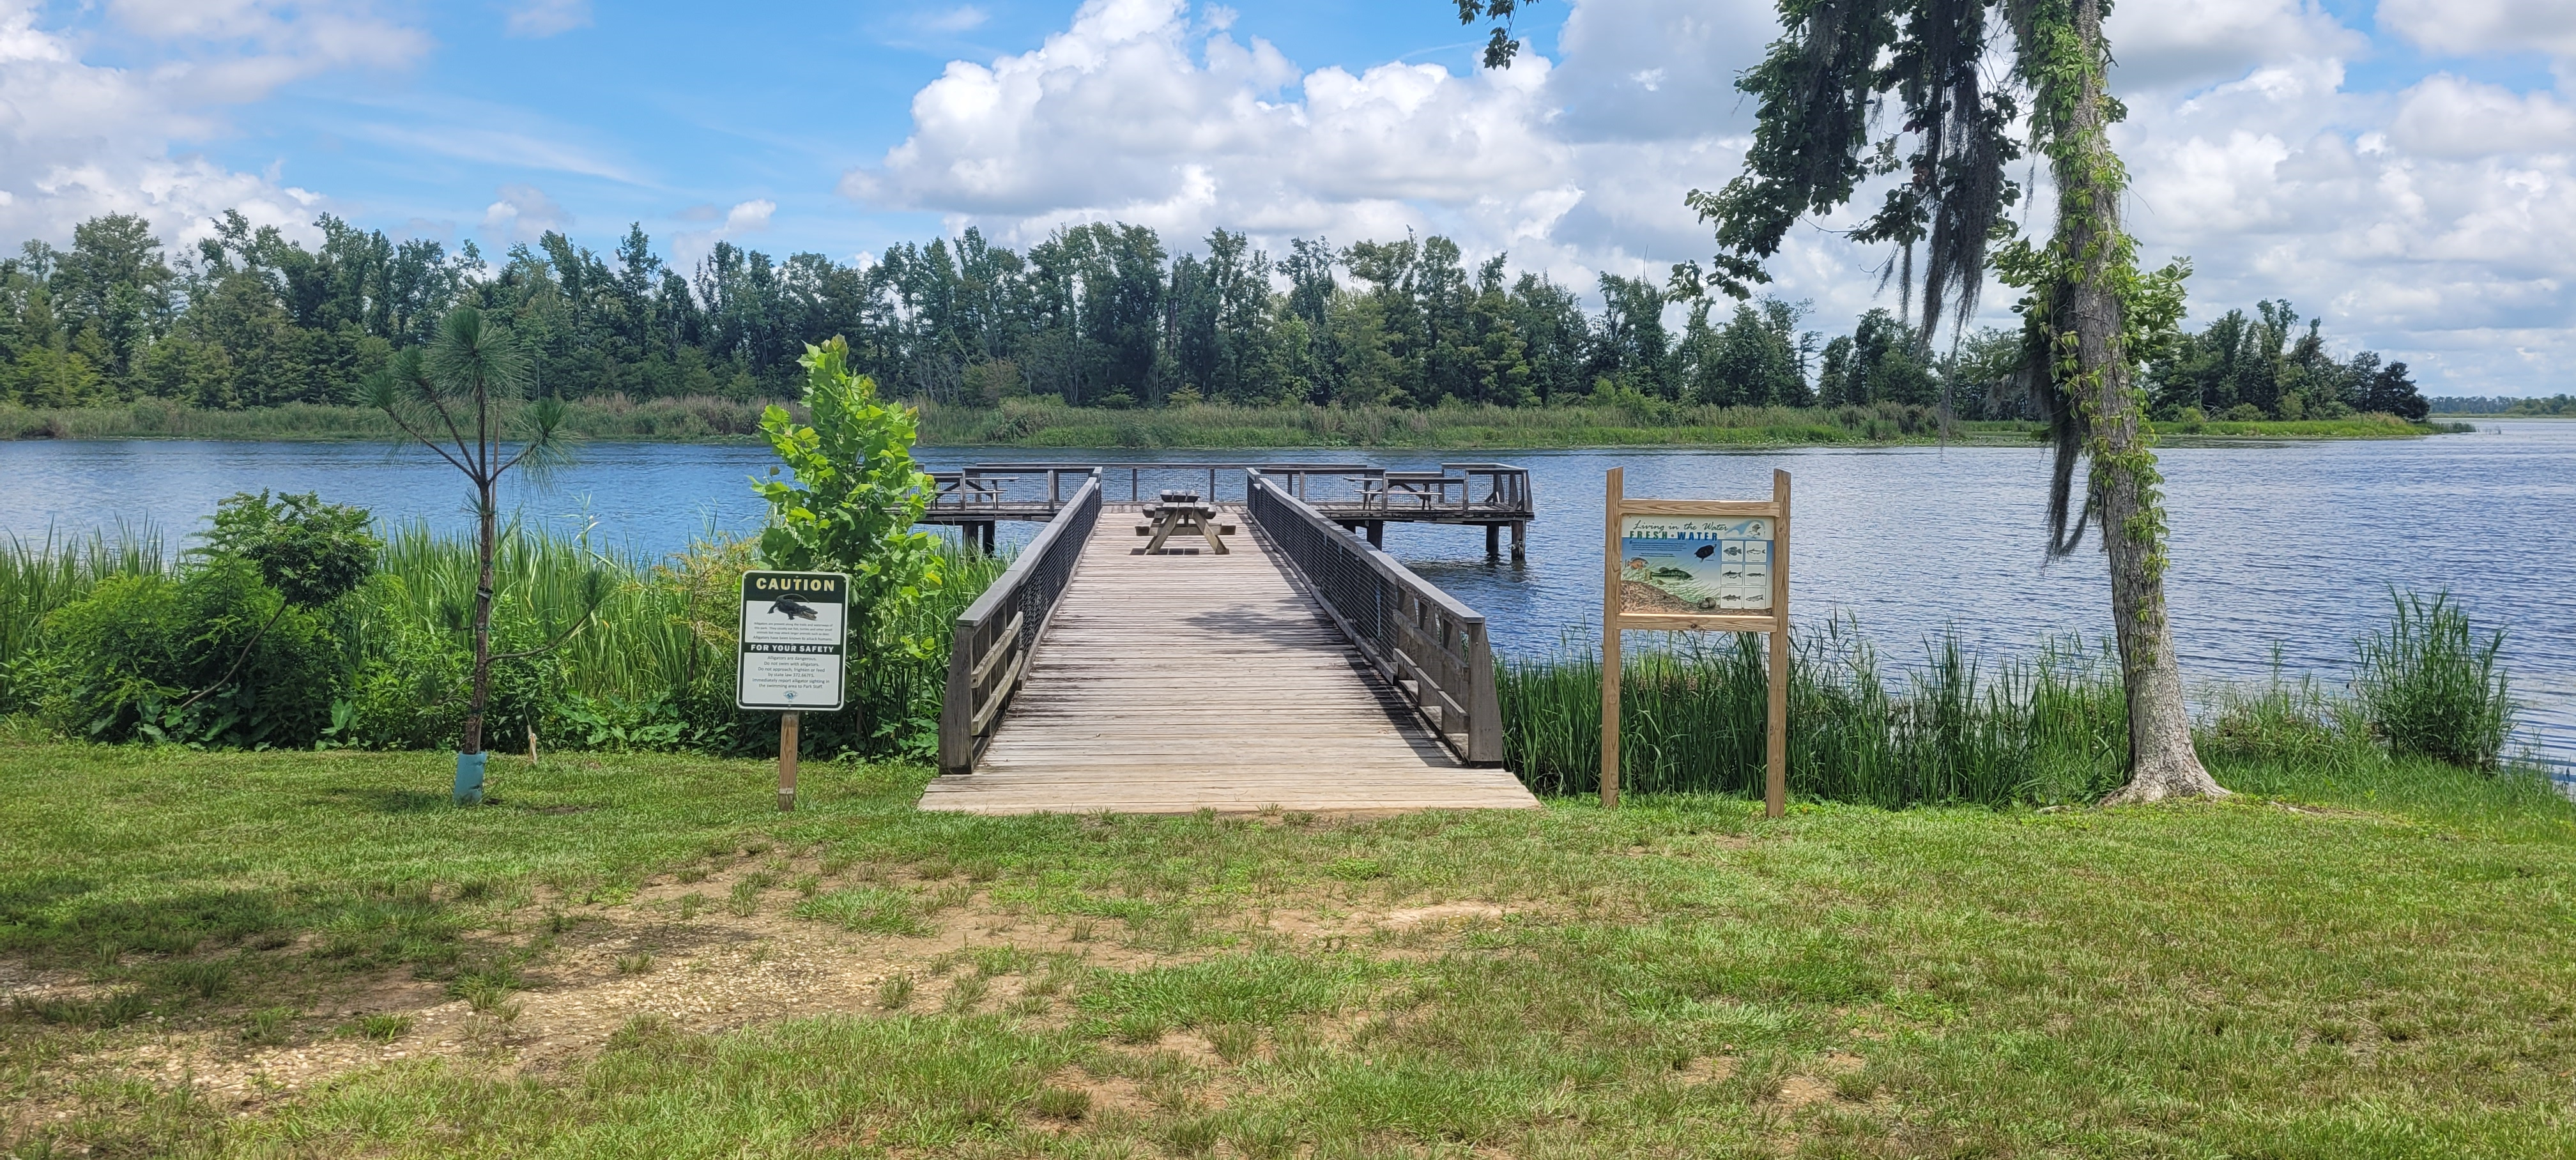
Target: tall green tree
[{"x": 2091, "y": 316}]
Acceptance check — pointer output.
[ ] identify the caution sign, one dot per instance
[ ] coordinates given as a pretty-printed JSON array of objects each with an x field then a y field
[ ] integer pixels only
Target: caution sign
[{"x": 795, "y": 627}]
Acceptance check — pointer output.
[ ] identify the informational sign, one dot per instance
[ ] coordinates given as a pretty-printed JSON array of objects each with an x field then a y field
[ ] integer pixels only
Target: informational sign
[
  {"x": 795, "y": 627},
  {"x": 1685, "y": 564},
  {"x": 1697, "y": 566}
]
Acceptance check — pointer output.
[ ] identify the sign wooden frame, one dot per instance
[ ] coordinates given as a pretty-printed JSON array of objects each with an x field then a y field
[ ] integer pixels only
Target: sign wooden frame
[{"x": 1617, "y": 509}]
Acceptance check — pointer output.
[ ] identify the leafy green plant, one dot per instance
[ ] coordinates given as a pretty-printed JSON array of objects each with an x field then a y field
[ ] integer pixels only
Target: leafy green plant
[
  {"x": 854, "y": 494},
  {"x": 37, "y": 578},
  {"x": 311, "y": 552}
]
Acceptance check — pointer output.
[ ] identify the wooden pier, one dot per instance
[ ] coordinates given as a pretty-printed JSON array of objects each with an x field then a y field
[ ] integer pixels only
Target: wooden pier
[
  {"x": 1357, "y": 496},
  {"x": 1097, "y": 678}
]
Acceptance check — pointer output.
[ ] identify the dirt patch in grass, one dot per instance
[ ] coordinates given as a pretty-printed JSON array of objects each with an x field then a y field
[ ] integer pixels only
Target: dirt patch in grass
[
  {"x": 1708, "y": 1069},
  {"x": 708, "y": 949}
]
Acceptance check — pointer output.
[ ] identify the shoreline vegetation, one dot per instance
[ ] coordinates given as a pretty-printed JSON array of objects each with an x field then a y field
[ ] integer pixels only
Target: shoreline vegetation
[
  {"x": 100, "y": 637},
  {"x": 1047, "y": 423}
]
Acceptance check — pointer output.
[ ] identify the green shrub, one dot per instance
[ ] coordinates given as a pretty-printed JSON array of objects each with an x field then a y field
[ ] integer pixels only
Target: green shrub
[
  {"x": 123, "y": 662},
  {"x": 311, "y": 552},
  {"x": 2430, "y": 686}
]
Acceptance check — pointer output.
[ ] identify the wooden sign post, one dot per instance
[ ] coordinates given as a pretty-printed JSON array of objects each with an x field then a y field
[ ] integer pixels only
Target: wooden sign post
[
  {"x": 1697, "y": 566},
  {"x": 795, "y": 628}
]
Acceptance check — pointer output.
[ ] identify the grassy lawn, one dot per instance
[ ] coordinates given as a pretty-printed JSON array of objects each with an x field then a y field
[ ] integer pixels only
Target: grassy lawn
[{"x": 312, "y": 954}]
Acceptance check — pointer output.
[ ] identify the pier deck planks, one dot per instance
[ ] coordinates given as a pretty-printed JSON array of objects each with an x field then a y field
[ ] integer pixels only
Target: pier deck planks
[{"x": 1172, "y": 684}]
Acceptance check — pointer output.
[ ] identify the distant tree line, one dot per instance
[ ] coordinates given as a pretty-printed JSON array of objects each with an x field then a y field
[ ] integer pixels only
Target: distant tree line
[
  {"x": 2267, "y": 367},
  {"x": 1096, "y": 315},
  {"x": 2503, "y": 405}
]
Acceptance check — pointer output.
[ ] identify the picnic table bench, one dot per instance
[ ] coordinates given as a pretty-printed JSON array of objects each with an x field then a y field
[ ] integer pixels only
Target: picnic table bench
[{"x": 1182, "y": 511}]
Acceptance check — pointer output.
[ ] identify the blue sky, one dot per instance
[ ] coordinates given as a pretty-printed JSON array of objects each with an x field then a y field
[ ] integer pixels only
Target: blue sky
[{"x": 2403, "y": 168}]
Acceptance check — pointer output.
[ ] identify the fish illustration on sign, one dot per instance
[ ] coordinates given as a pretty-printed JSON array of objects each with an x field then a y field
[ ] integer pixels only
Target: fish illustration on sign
[
  {"x": 792, "y": 608},
  {"x": 1687, "y": 564}
]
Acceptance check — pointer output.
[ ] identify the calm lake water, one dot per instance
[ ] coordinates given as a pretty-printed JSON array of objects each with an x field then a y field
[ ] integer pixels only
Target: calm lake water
[{"x": 2288, "y": 547}]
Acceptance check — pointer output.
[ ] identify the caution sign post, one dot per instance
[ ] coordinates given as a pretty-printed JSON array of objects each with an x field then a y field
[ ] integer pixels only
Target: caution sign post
[{"x": 795, "y": 634}]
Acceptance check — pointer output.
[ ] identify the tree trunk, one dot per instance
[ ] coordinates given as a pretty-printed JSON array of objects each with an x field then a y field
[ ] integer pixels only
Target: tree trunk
[
  {"x": 482, "y": 622},
  {"x": 2162, "y": 763}
]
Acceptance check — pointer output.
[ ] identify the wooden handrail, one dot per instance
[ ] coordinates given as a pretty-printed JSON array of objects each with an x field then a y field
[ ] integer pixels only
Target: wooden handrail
[
  {"x": 1433, "y": 649},
  {"x": 997, "y": 633}
]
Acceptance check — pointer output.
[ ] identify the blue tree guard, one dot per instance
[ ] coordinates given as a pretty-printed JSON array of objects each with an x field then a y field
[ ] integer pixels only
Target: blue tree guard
[{"x": 469, "y": 779}]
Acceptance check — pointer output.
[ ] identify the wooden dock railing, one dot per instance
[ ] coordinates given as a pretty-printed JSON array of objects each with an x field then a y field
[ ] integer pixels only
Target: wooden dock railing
[
  {"x": 1422, "y": 640},
  {"x": 996, "y": 633}
]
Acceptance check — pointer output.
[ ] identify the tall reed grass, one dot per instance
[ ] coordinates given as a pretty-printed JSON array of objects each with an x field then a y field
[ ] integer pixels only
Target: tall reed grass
[
  {"x": 39, "y": 577},
  {"x": 2050, "y": 729},
  {"x": 1692, "y": 718},
  {"x": 2430, "y": 685}
]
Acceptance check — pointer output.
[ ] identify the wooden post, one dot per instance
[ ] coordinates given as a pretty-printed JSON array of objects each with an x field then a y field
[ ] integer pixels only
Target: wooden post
[
  {"x": 1775, "y": 789},
  {"x": 1610, "y": 642},
  {"x": 1493, "y": 541},
  {"x": 786, "y": 762},
  {"x": 1520, "y": 535}
]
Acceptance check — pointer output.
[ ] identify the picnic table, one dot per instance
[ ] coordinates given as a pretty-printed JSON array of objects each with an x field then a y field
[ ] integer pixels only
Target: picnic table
[
  {"x": 966, "y": 489},
  {"x": 1415, "y": 489},
  {"x": 1182, "y": 511}
]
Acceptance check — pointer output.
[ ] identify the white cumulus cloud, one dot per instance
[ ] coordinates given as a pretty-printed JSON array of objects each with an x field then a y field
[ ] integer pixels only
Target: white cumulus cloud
[
  {"x": 1133, "y": 113},
  {"x": 2483, "y": 26},
  {"x": 523, "y": 213},
  {"x": 2426, "y": 223},
  {"x": 80, "y": 139},
  {"x": 744, "y": 218}
]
